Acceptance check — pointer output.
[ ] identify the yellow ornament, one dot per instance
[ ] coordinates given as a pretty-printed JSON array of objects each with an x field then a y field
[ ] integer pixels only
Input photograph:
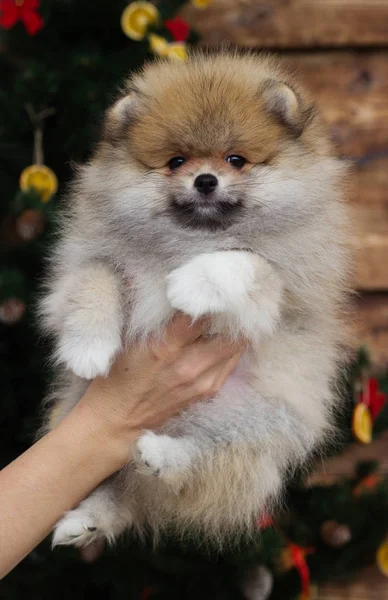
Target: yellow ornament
[
  {"x": 382, "y": 558},
  {"x": 161, "y": 47},
  {"x": 40, "y": 178},
  {"x": 136, "y": 19},
  {"x": 362, "y": 424},
  {"x": 158, "y": 44},
  {"x": 177, "y": 50},
  {"x": 201, "y": 3}
]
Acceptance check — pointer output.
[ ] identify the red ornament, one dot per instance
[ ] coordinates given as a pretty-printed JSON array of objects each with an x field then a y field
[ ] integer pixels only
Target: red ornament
[
  {"x": 372, "y": 397},
  {"x": 368, "y": 484},
  {"x": 11, "y": 311},
  {"x": 178, "y": 28},
  {"x": 30, "y": 224},
  {"x": 12, "y": 11}
]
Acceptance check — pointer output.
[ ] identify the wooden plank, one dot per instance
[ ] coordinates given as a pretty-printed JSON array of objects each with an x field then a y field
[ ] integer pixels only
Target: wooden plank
[
  {"x": 370, "y": 246},
  {"x": 293, "y": 23},
  {"x": 369, "y": 584},
  {"x": 351, "y": 89},
  {"x": 343, "y": 465},
  {"x": 372, "y": 326}
]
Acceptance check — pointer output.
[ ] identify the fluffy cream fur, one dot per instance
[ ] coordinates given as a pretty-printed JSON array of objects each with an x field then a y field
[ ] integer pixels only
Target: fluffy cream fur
[{"x": 265, "y": 255}]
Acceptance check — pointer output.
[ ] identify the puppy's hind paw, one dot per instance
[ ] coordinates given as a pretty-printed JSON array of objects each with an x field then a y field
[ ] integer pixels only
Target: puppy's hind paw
[
  {"x": 163, "y": 456},
  {"x": 75, "y": 529},
  {"x": 98, "y": 517}
]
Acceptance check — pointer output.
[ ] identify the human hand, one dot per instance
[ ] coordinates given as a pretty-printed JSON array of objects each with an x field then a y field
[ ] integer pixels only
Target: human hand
[{"x": 152, "y": 382}]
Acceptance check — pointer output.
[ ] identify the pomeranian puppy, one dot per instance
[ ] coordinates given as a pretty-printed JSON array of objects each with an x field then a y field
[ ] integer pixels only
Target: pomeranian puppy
[{"x": 214, "y": 190}]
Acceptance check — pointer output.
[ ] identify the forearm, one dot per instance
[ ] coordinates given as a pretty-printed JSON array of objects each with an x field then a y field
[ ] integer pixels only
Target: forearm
[
  {"x": 54, "y": 475},
  {"x": 145, "y": 386}
]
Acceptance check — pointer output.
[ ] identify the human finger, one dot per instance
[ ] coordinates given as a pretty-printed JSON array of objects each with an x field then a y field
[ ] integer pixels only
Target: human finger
[
  {"x": 183, "y": 331},
  {"x": 209, "y": 351},
  {"x": 203, "y": 355}
]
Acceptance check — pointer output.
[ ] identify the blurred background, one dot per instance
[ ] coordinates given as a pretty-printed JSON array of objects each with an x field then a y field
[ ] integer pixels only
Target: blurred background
[{"x": 60, "y": 64}]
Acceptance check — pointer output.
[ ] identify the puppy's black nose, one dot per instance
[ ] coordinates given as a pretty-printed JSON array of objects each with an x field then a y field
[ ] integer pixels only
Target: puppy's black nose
[{"x": 206, "y": 183}]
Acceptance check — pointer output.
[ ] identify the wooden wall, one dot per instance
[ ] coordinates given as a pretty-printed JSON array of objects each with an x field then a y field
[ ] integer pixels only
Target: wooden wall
[{"x": 340, "y": 47}]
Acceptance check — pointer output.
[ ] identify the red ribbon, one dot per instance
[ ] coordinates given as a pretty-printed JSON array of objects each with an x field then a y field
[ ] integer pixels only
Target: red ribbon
[
  {"x": 178, "y": 28},
  {"x": 372, "y": 397},
  {"x": 12, "y": 11},
  {"x": 299, "y": 559}
]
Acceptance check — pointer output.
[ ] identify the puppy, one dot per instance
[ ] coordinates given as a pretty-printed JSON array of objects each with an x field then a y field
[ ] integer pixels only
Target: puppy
[{"x": 214, "y": 190}]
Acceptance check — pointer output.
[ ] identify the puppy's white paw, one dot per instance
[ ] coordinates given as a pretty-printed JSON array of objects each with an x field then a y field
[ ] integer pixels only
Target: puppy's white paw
[
  {"x": 76, "y": 528},
  {"x": 98, "y": 517},
  {"x": 163, "y": 456},
  {"x": 88, "y": 353},
  {"x": 211, "y": 283}
]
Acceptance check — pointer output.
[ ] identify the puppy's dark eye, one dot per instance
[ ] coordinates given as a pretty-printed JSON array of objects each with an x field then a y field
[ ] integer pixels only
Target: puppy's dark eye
[
  {"x": 236, "y": 161},
  {"x": 176, "y": 162}
]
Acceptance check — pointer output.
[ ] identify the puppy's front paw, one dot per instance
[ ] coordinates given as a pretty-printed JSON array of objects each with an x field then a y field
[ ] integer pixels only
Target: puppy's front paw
[
  {"x": 163, "y": 456},
  {"x": 88, "y": 357},
  {"x": 211, "y": 283}
]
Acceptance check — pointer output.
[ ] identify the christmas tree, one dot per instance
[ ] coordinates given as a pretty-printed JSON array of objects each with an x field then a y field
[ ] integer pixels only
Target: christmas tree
[{"x": 61, "y": 62}]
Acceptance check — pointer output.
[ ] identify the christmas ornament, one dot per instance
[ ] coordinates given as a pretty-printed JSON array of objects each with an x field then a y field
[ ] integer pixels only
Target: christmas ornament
[
  {"x": 12, "y": 11},
  {"x": 201, "y": 3},
  {"x": 177, "y": 51},
  {"x": 158, "y": 44},
  {"x": 161, "y": 47},
  {"x": 38, "y": 176},
  {"x": 178, "y": 28},
  {"x": 41, "y": 178},
  {"x": 294, "y": 556},
  {"x": 11, "y": 311},
  {"x": 299, "y": 560},
  {"x": 368, "y": 484},
  {"x": 369, "y": 403},
  {"x": 258, "y": 584},
  {"x": 362, "y": 424},
  {"x": 30, "y": 224},
  {"x": 136, "y": 19},
  {"x": 285, "y": 561},
  {"x": 335, "y": 534},
  {"x": 372, "y": 397},
  {"x": 382, "y": 558}
]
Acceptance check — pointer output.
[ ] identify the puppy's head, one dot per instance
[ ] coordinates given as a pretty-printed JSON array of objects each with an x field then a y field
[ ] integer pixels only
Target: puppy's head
[{"x": 207, "y": 142}]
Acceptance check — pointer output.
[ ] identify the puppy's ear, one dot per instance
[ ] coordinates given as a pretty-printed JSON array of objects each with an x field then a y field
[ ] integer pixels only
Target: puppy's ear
[
  {"x": 287, "y": 105},
  {"x": 119, "y": 117}
]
